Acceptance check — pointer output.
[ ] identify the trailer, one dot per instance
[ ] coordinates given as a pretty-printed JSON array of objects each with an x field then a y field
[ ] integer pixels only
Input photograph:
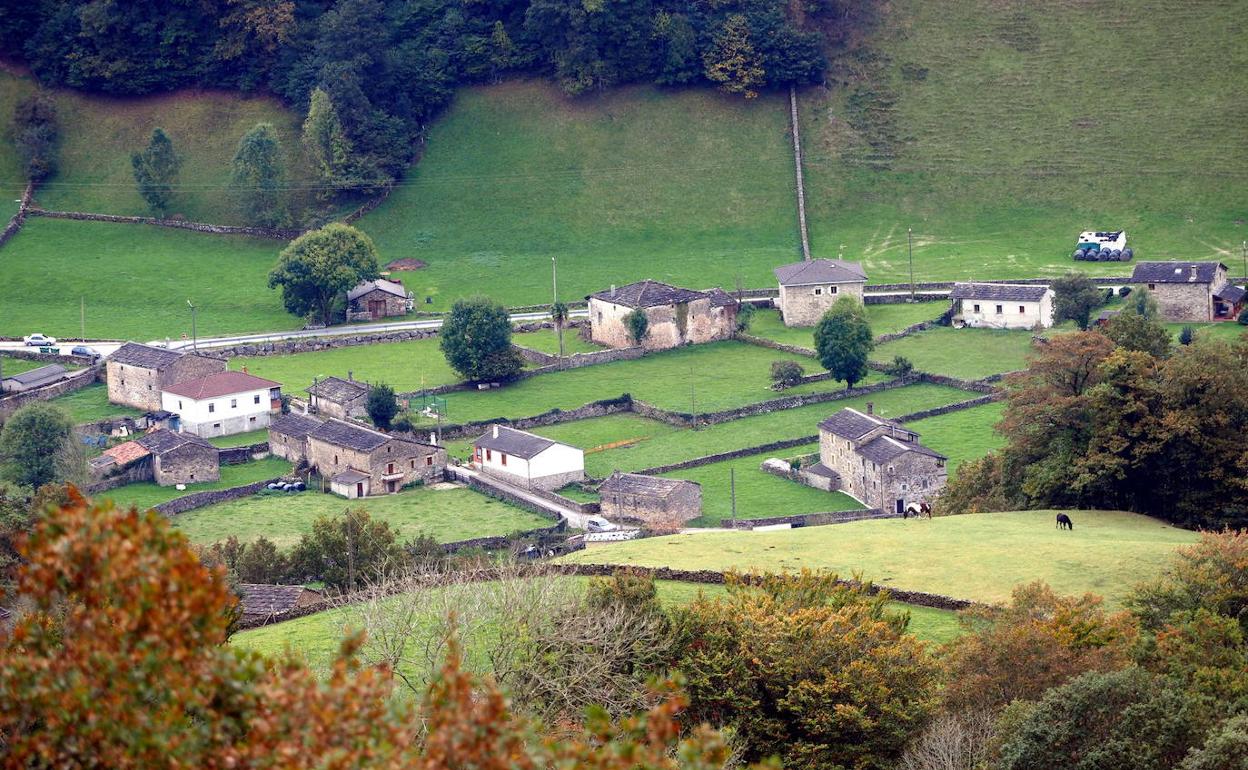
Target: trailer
[{"x": 1102, "y": 246}]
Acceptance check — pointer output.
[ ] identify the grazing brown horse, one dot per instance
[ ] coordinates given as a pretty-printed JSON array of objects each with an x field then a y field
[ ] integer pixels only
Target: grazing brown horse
[{"x": 1064, "y": 522}]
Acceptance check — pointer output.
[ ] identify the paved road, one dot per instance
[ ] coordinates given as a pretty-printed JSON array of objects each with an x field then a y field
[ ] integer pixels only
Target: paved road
[{"x": 574, "y": 518}]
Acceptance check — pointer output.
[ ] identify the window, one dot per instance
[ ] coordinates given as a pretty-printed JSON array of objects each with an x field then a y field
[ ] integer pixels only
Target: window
[
  {"x": 251, "y": 419},
  {"x": 179, "y": 403},
  {"x": 818, "y": 290},
  {"x": 1152, "y": 286},
  {"x": 832, "y": 289},
  {"x": 192, "y": 477},
  {"x": 413, "y": 465},
  {"x": 998, "y": 310},
  {"x": 1022, "y": 309},
  {"x": 233, "y": 403},
  {"x": 255, "y": 399},
  {"x": 428, "y": 460},
  {"x": 211, "y": 407},
  {"x": 216, "y": 425},
  {"x": 976, "y": 308},
  {"x": 489, "y": 455},
  {"x": 335, "y": 459},
  {"x": 149, "y": 386},
  {"x": 389, "y": 468},
  {"x": 502, "y": 458}
]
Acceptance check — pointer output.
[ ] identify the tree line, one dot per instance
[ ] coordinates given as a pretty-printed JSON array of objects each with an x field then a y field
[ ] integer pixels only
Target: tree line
[{"x": 370, "y": 73}]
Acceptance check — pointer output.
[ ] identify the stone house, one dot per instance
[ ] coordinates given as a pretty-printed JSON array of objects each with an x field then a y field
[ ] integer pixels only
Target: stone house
[
  {"x": 1002, "y": 306},
  {"x": 339, "y": 398},
  {"x": 223, "y": 403},
  {"x": 651, "y": 500},
  {"x": 677, "y": 316},
  {"x": 809, "y": 289},
  {"x": 261, "y": 602},
  {"x": 1190, "y": 291},
  {"x": 162, "y": 456},
  {"x": 137, "y": 374},
  {"x": 360, "y": 461},
  {"x": 527, "y": 460},
  {"x": 878, "y": 462},
  {"x": 33, "y": 378},
  {"x": 381, "y": 298},
  {"x": 288, "y": 436}
]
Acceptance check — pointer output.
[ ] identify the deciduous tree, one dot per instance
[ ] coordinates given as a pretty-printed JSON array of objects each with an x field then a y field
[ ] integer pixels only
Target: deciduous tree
[
  {"x": 317, "y": 269},
  {"x": 258, "y": 176},
  {"x": 843, "y": 340},
  {"x": 476, "y": 340},
  {"x": 346, "y": 551},
  {"x": 327, "y": 144},
  {"x": 156, "y": 171},
  {"x": 36, "y": 135},
  {"x": 732, "y": 61},
  {"x": 37, "y": 446},
  {"x": 382, "y": 406},
  {"x": 1074, "y": 297}
]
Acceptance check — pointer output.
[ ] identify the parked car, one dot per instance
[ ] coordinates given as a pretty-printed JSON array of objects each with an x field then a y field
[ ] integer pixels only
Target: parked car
[
  {"x": 599, "y": 524},
  {"x": 84, "y": 350},
  {"x": 38, "y": 339}
]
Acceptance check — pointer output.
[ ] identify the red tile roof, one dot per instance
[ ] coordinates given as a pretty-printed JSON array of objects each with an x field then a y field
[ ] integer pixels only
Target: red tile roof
[
  {"x": 221, "y": 384},
  {"x": 127, "y": 453}
]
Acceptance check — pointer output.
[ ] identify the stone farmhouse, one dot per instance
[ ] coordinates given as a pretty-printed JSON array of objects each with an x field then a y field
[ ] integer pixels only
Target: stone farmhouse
[
  {"x": 137, "y": 374},
  {"x": 261, "y": 602},
  {"x": 878, "y": 462},
  {"x": 357, "y": 460},
  {"x": 527, "y": 460},
  {"x": 1191, "y": 291},
  {"x": 223, "y": 403},
  {"x": 677, "y": 316},
  {"x": 33, "y": 378},
  {"x": 377, "y": 299},
  {"x": 162, "y": 456},
  {"x": 1002, "y": 306},
  {"x": 809, "y": 289},
  {"x": 339, "y": 398},
  {"x": 650, "y": 500}
]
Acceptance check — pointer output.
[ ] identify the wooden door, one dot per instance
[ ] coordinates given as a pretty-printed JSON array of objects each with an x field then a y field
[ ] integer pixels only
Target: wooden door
[{"x": 377, "y": 308}]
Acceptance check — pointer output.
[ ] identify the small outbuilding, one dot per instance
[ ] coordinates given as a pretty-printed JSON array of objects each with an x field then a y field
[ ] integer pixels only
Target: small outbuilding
[
  {"x": 379, "y": 298},
  {"x": 33, "y": 378},
  {"x": 162, "y": 456},
  {"x": 261, "y": 602},
  {"x": 651, "y": 500},
  {"x": 528, "y": 460},
  {"x": 675, "y": 316},
  {"x": 1002, "y": 305},
  {"x": 809, "y": 289},
  {"x": 1191, "y": 291},
  {"x": 338, "y": 398}
]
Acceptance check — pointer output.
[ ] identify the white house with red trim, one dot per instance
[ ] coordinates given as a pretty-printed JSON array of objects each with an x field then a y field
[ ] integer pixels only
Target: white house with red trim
[
  {"x": 223, "y": 404},
  {"x": 527, "y": 460}
]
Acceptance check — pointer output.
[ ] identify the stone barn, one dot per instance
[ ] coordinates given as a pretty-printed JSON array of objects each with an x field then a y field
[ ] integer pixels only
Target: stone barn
[
  {"x": 338, "y": 398},
  {"x": 809, "y": 289},
  {"x": 651, "y": 500},
  {"x": 137, "y": 374},
  {"x": 261, "y": 602},
  {"x": 878, "y": 462},
  {"x": 360, "y": 461},
  {"x": 676, "y": 316},
  {"x": 377, "y": 299},
  {"x": 162, "y": 456},
  {"x": 1190, "y": 291},
  {"x": 288, "y": 436}
]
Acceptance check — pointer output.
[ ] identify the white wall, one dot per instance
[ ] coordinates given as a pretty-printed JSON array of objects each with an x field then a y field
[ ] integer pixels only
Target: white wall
[
  {"x": 559, "y": 458},
  {"x": 1013, "y": 315},
  {"x": 225, "y": 409}
]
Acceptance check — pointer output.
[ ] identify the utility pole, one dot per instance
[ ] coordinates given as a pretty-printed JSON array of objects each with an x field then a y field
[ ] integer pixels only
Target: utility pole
[
  {"x": 82, "y": 317},
  {"x": 194, "y": 335},
  {"x": 554, "y": 280},
  {"x": 1244, "y": 251},
  {"x": 910, "y": 245},
  {"x": 693, "y": 402},
  {"x": 350, "y": 552},
  {"x": 732, "y": 487}
]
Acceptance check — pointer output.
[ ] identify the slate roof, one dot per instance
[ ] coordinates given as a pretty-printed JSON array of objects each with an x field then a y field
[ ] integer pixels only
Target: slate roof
[
  {"x": 1107, "y": 315},
  {"x": 885, "y": 448},
  {"x": 516, "y": 443},
  {"x": 1231, "y": 293},
  {"x": 1004, "y": 292},
  {"x": 39, "y": 376},
  {"x": 349, "y": 435},
  {"x": 853, "y": 424},
  {"x": 144, "y": 356},
  {"x": 721, "y": 298},
  {"x": 819, "y": 469},
  {"x": 162, "y": 441},
  {"x": 820, "y": 271},
  {"x": 390, "y": 287},
  {"x": 637, "y": 484},
  {"x": 1175, "y": 272},
  {"x": 648, "y": 294},
  {"x": 220, "y": 384},
  {"x": 294, "y": 425},
  {"x": 338, "y": 390},
  {"x": 264, "y": 599},
  {"x": 126, "y": 453},
  {"x": 349, "y": 476}
]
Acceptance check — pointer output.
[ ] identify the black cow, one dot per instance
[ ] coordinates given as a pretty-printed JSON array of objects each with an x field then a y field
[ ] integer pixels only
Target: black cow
[{"x": 1064, "y": 522}]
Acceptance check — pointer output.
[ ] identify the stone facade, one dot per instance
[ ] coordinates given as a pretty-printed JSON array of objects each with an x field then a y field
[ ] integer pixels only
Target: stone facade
[
  {"x": 879, "y": 463},
  {"x": 805, "y": 305},
  {"x": 138, "y": 374},
  {"x": 676, "y": 316},
  {"x": 1185, "y": 291},
  {"x": 191, "y": 463},
  {"x": 374, "y": 304},
  {"x": 338, "y": 398},
  {"x": 389, "y": 463},
  {"x": 1183, "y": 302},
  {"x": 650, "y": 500}
]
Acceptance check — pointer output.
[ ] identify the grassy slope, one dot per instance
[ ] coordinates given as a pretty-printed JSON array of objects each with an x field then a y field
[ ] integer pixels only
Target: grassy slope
[
  {"x": 966, "y": 353},
  {"x": 405, "y": 366},
  {"x": 100, "y": 133},
  {"x": 91, "y": 404},
  {"x": 689, "y": 187},
  {"x": 136, "y": 280},
  {"x": 977, "y": 556},
  {"x": 548, "y": 342},
  {"x": 961, "y": 436},
  {"x": 446, "y": 515},
  {"x": 1030, "y": 124},
  {"x": 885, "y": 319},
  {"x": 146, "y": 494},
  {"x": 11, "y": 366}
]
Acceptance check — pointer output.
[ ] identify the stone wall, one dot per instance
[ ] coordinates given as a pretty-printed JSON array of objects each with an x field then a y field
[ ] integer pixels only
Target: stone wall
[
  {"x": 731, "y": 455},
  {"x": 974, "y": 386},
  {"x": 555, "y": 416},
  {"x": 211, "y": 497},
  {"x": 33, "y": 354},
  {"x": 199, "y": 227},
  {"x": 683, "y": 419},
  {"x": 312, "y": 344},
  {"x": 11, "y": 402},
  {"x": 504, "y": 542},
  {"x": 549, "y": 362},
  {"x": 188, "y": 464},
  {"x": 763, "y": 342},
  {"x": 947, "y": 408},
  {"x": 499, "y": 492},
  {"x": 243, "y": 454},
  {"x": 811, "y": 519},
  {"x": 567, "y": 502}
]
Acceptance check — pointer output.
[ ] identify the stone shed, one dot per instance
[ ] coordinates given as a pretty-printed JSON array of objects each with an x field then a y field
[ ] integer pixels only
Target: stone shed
[
  {"x": 809, "y": 289},
  {"x": 137, "y": 374},
  {"x": 261, "y": 602},
  {"x": 338, "y": 398},
  {"x": 1190, "y": 291},
  {"x": 33, "y": 378},
  {"x": 650, "y": 500},
  {"x": 162, "y": 456},
  {"x": 676, "y": 316},
  {"x": 375, "y": 299},
  {"x": 376, "y": 463}
]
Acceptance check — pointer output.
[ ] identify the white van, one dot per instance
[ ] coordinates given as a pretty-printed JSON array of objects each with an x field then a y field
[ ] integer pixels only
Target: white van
[{"x": 599, "y": 524}]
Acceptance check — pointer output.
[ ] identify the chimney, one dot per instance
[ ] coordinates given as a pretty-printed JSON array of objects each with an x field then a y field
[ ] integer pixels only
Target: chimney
[
  {"x": 350, "y": 376},
  {"x": 870, "y": 408},
  {"x": 433, "y": 438},
  {"x": 495, "y": 431},
  {"x": 1194, "y": 268}
]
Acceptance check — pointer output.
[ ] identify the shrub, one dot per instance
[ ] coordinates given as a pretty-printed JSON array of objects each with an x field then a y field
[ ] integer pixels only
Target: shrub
[
  {"x": 476, "y": 340},
  {"x": 638, "y": 325},
  {"x": 786, "y": 374},
  {"x": 1243, "y": 317},
  {"x": 745, "y": 315},
  {"x": 382, "y": 406},
  {"x": 900, "y": 367},
  {"x": 1124, "y": 291},
  {"x": 1187, "y": 335}
]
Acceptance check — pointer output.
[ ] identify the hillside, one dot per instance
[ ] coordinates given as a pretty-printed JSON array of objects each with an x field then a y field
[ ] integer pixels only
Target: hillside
[{"x": 999, "y": 130}]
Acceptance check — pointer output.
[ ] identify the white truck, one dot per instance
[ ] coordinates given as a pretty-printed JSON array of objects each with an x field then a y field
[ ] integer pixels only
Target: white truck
[{"x": 1102, "y": 246}]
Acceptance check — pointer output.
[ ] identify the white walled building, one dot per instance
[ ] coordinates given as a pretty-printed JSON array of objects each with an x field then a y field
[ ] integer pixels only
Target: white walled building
[
  {"x": 224, "y": 403},
  {"x": 528, "y": 460},
  {"x": 1003, "y": 306}
]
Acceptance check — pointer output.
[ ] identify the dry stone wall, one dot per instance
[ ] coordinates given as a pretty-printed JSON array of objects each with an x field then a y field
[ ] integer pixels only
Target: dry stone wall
[
  {"x": 211, "y": 497},
  {"x": 75, "y": 381},
  {"x": 199, "y": 227}
]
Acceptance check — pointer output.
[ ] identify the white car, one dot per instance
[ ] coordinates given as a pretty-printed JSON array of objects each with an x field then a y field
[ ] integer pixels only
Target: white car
[
  {"x": 38, "y": 339},
  {"x": 599, "y": 524}
]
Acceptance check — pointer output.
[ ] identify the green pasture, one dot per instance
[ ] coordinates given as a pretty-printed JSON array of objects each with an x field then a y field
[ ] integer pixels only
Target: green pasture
[
  {"x": 90, "y": 404},
  {"x": 241, "y": 439},
  {"x": 975, "y": 556},
  {"x": 885, "y": 319},
  {"x": 10, "y": 366},
  {"x": 146, "y": 494},
  {"x": 969, "y": 354},
  {"x": 998, "y": 131},
  {"x": 964, "y": 435},
  {"x": 443, "y": 514},
  {"x": 547, "y": 341},
  {"x": 404, "y": 366}
]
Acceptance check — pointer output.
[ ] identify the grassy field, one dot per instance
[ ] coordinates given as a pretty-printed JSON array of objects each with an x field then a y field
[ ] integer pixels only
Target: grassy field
[
  {"x": 1222, "y": 330},
  {"x": 241, "y": 439},
  {"x": 977, "y": 556},
  {"x": 90, "y": 404},
  {"x": 885, "y": 319},
  {"x": 966, "y": 353},
  {"x": 405, "y": 366},
  {"x": 317, "y": 637},
  {"x": 548, "y": 342},
  {"x": 965, "y": 435},
  {"x": 147, "y": 494},
  {"x": 10, "y": 366},
  {"x": 987, "y": 128},
  {"x": 719, "y": 375},
  {"x": 99, "y": 133},
  {"x": 444, "y": 514},
  {"x": 684, "y": 186},
  {"x": 136, "y": 280}
]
